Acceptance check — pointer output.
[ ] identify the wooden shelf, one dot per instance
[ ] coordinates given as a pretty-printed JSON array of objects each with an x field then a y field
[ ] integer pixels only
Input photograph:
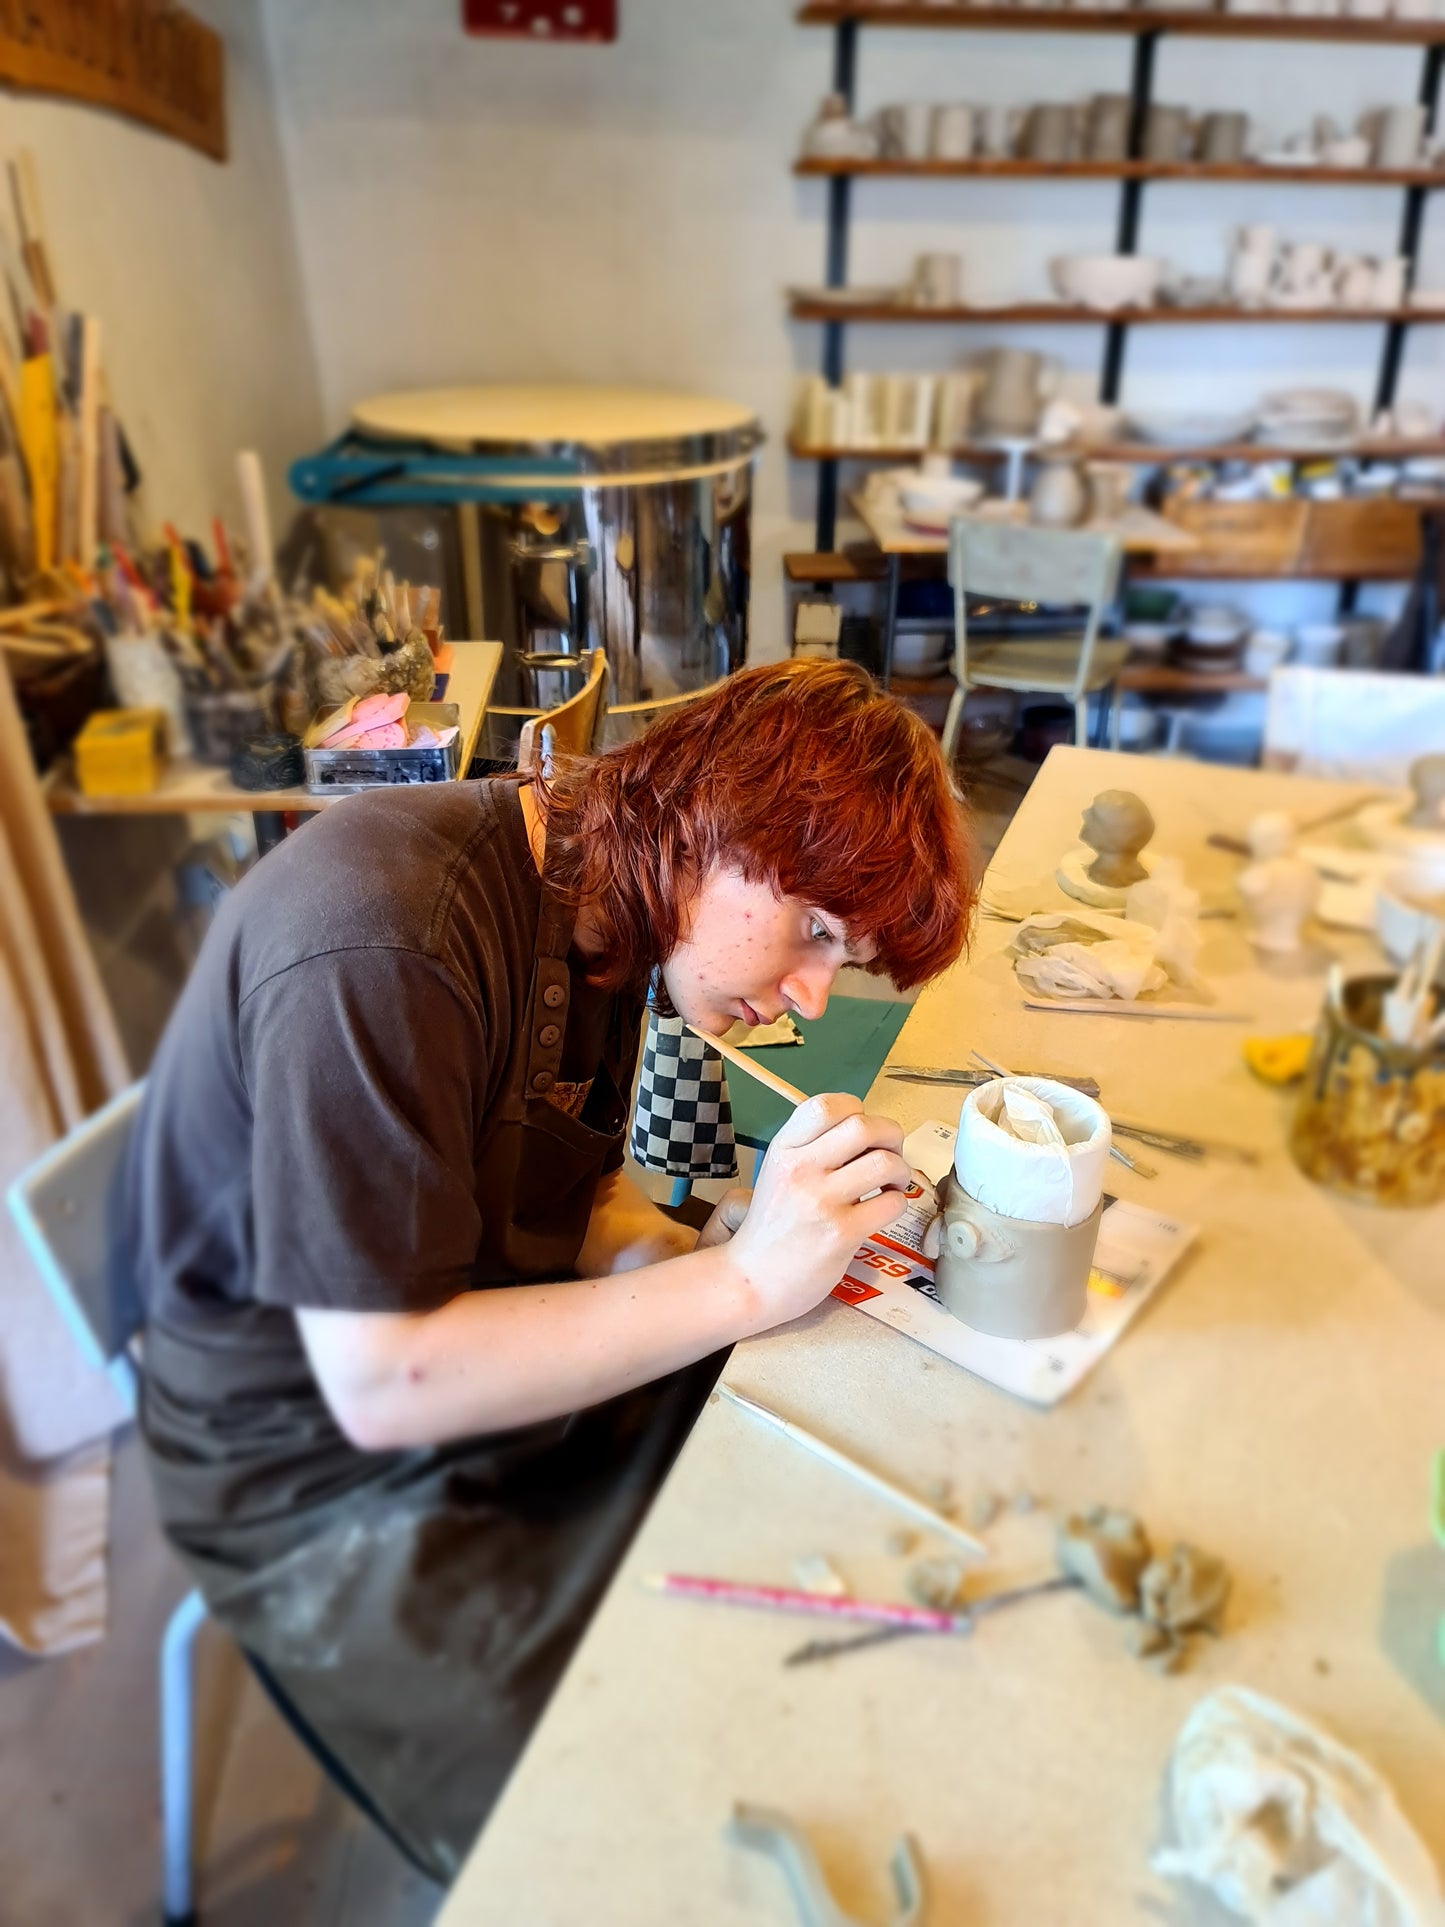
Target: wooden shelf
[
  {"x": 1007, "y": 170},
  {"x": 1163, "y": 679},
  {"x": 1145, "y": 454},
  {"x": 1199, "y": 23},
  {"x": 1179, "y": 569},
  {"x": 1059, "y": 313}
]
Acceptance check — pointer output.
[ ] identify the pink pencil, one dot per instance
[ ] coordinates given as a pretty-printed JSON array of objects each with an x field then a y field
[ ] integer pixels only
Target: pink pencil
[{"x": 784, "y": 1599}]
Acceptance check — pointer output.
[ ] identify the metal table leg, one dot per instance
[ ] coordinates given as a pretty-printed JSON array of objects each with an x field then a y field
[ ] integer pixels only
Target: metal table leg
[
  {"x": 890, "y": 616},
  {"x": 270, "y": 830}
]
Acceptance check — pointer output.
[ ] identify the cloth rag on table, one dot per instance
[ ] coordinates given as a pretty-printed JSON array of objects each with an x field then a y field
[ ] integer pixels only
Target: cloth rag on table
[
  {"x": 683, "y": 1121},
  {"x": 1086, "y": 954},
  {"x": 1287, "y": 1827},
  {"x": 1091, "y": 953},
  {"x": 1033, "y": 1149}
]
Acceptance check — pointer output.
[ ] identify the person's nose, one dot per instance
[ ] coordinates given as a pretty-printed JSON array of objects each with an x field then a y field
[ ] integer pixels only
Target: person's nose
[{"x": 805, "y": 990}]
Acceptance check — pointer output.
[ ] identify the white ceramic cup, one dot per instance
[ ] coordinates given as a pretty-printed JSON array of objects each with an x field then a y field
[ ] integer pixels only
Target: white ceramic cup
[
  {"x": 1389, "y": 282},
  {"x": 1302, "y": 264},
  {"x": 1401, "y": 129},
  {"x": 1319, "y": 645},
  {"x": 912, "y": 123},
  {"x": 994, "y": 131},
  {"x": 951, "y": 137},
  {"x": 937, "y": 279}
]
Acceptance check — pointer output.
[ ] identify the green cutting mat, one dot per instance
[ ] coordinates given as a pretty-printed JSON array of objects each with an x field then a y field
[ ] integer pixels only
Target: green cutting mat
[{"x": 843, "y": 1050}]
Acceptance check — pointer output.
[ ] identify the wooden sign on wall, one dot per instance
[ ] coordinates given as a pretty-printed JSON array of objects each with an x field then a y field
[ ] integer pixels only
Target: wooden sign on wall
[{"x": 144, "y": 58}]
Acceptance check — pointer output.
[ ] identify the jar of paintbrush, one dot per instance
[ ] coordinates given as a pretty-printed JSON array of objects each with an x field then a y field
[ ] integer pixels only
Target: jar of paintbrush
[{"x": 1370, "y": 1120}]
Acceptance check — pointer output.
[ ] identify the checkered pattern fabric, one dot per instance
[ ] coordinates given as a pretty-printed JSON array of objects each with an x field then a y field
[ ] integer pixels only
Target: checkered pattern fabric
[{"x": 683, "y": 1123}]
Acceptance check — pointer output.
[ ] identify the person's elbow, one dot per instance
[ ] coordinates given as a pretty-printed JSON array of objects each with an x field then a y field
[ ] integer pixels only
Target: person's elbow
[{"x": 360, "y": 1364}]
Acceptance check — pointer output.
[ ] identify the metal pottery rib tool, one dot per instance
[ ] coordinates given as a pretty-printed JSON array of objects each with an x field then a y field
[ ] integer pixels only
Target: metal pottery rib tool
[
  {"x": 966, "y": 1618},
  {"x": 948, "y": 1074}
]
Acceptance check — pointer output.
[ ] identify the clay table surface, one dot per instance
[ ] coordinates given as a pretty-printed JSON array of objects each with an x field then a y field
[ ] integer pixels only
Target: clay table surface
[
  {"x": 188, "y": 787},
  {"x": 1279, "y": 1402},
  {"x": 1140, "y": 530}
]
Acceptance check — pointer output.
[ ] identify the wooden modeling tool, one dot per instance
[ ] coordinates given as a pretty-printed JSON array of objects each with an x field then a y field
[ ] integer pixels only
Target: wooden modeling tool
[
  {"x": 42, "y": 456},
  {"x": 779, "y": 1085},
  {"x": 895, "y": 1495}
]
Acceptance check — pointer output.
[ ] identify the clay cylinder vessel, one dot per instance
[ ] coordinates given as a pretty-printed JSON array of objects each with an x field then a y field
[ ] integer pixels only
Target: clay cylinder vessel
[{"x": 1008, "y": 1277}]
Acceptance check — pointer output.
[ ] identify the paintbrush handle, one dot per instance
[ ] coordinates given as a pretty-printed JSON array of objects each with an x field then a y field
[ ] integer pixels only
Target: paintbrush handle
[
  {"x": 875, "y": 1481},
  {"x": 785, "y": 1599},
  {"x": 780, "y": 1085}
]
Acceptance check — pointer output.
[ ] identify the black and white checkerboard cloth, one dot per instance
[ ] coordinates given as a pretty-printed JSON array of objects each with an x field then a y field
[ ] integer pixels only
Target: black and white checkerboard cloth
[{"x": 683, "y": 1123}]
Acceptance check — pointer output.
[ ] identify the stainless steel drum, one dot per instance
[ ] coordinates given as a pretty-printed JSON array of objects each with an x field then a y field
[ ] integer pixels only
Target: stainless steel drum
[{"x": 626, "y": 528}]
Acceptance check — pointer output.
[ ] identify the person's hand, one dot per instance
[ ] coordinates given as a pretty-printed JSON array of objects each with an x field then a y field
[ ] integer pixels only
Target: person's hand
[
  {"x": 812, "y": 1207},
  {"x": 727, "y": 1217}
]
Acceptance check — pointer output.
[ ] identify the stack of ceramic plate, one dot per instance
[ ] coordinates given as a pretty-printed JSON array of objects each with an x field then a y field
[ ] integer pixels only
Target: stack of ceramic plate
[
  {"x": 1309, "y": 418},
  {"x": 1213, "y": 642}
]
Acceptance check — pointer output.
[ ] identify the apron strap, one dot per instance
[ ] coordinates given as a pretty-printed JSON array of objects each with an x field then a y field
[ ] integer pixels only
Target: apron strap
[{"x": 551, "y": 988}]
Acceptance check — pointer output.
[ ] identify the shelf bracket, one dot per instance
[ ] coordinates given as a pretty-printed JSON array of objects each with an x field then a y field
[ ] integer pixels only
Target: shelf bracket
[
  {"x": 840, "y": 195},
  {"x": 1412, "y": 220},
  {"x": 1131, "y": 200}
]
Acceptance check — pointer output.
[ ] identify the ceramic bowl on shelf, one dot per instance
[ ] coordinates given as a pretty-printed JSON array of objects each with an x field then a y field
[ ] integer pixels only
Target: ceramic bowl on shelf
[
  {"x": 1214, "y": 627},
  {"x": 1150, "y": 639},
  {"x": 1212, "y": 661},
  {"x": 921, "y": 655},
  {"x": 1165, "y": 429},
  {"x": 1410, "y": 905},
  {"x": 1106, "y": 281},
  {"x": 931, "y": 501},
  {"x": 1266, "y": 650}
]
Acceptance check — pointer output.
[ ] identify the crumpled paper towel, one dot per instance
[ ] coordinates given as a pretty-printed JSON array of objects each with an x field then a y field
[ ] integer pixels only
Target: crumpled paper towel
[
  {"x": 1090, "y": 953},
  {"x": 1287, "y": 1827},
  {"x": 1033, "y": 1149}
]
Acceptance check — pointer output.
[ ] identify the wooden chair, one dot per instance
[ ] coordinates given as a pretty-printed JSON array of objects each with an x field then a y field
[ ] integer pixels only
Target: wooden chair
[
  {"x": 574, "y": 727},
  {"x": 1069, "y": 567},
  {"x": 625, "y": 720}
]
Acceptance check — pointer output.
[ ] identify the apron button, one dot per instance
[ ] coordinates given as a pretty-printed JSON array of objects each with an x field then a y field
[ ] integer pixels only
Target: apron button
[
  {"x": 542, "y": 1081},
  {"x": 549, "y": 1035},
  {"x": 554, "y": 996}
]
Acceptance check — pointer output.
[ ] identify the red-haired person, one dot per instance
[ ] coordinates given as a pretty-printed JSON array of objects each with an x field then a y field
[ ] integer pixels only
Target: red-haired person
[{"x": 418, "y": 1352}]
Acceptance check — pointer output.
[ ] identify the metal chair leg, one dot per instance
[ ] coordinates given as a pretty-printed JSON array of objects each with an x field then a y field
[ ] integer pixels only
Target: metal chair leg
[
  {"x": 177, "y": 1728},
  {"x": 1081, "y": 722}
]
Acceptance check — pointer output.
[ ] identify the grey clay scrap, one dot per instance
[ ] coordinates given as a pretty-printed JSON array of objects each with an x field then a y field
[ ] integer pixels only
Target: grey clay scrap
[
  {"x": 1185, "y": 1592},
  {"x": 1107, "y": 1551},
  {"x": 936, "y": 1583}
]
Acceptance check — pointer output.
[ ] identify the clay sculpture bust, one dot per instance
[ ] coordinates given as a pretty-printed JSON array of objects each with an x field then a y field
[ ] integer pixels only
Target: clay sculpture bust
[
  {"x": 1427, "y": 779},
  {"x": 1117, "y": 825}
]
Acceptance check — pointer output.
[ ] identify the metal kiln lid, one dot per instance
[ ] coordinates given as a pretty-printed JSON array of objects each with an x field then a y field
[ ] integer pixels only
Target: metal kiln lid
[{"x": 611, "y": 430}]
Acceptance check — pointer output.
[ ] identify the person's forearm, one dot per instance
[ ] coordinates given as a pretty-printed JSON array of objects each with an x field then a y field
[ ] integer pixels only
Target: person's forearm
[
  {"x": 626, "y": 1230},
  {"x": 492, "y": 1360}
]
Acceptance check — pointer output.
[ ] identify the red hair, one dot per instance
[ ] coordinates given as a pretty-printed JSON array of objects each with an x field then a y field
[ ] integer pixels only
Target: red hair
[{"x": 803, "y": 775}]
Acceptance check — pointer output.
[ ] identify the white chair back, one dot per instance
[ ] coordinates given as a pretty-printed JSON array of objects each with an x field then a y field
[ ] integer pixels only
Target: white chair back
[
  {"x": 1360, "y": 725},
  {"x": 1075, "y": 568},
  {"x": 61, "y": 1204}
]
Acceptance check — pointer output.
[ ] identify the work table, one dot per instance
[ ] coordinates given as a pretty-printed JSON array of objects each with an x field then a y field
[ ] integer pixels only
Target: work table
[{"x": 1278, "y": 1403}]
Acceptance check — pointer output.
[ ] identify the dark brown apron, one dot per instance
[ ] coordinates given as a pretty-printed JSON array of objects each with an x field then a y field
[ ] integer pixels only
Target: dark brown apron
[{"x": 418, "y": 1622}]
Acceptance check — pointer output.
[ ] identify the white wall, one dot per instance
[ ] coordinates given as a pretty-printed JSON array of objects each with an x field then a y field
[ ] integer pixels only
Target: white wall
[
  {"x": 192, "y": 268},
  {"x": 480, "y": 210}
]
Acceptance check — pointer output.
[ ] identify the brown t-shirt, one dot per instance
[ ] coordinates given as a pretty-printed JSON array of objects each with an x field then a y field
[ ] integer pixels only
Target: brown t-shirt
[{"x": 310, "y": 1127}]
